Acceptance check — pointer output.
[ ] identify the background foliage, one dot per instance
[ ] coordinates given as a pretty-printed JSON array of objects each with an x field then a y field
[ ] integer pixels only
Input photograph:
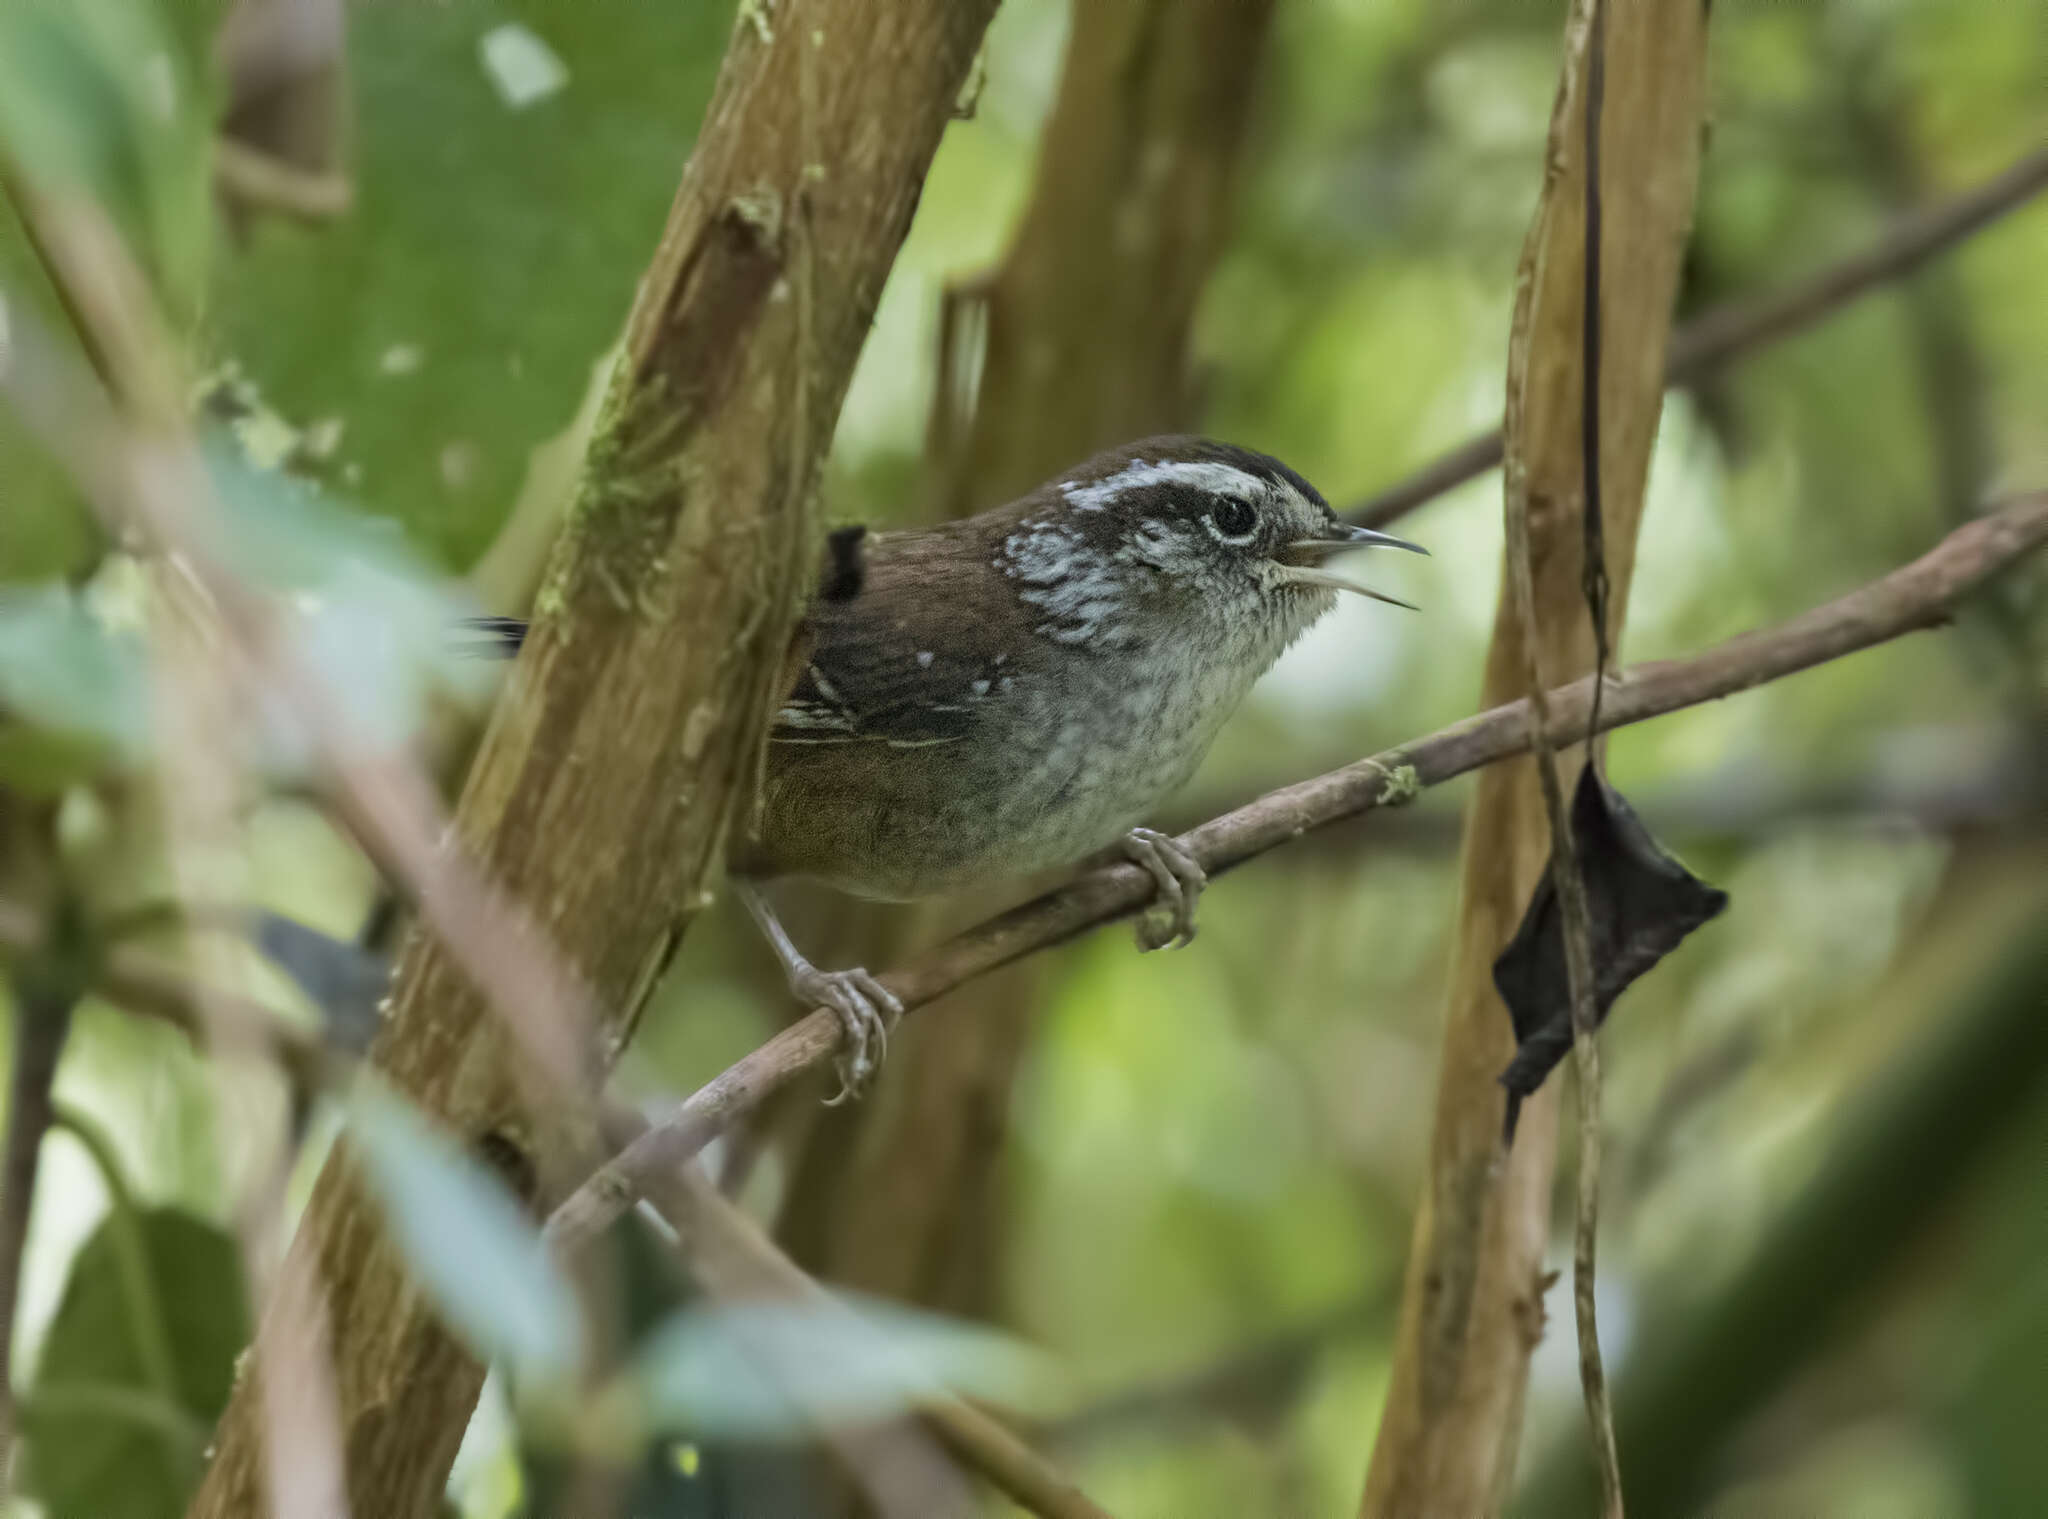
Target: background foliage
[{"x": 1213, "y": 1155}]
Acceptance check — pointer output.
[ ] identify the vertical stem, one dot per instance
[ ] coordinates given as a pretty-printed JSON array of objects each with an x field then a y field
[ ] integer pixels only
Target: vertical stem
[
  {"x": 1565, "y": 866},
  {"x": 42, "y": 1019},
  {"x": 146, "y": 1320},
  {"x": 1471, "y": 1309}
]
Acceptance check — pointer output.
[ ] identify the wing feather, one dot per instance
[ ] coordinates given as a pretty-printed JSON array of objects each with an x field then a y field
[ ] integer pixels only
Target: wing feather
[{"x": 905, "y": 662}]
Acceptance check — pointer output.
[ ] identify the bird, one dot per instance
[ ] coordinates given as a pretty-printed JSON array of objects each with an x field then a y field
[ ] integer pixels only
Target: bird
[{"x": 1018, "y": 690}]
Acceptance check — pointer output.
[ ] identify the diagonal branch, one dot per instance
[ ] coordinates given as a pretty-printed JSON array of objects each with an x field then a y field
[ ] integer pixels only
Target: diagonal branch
[
  {"x": 1736, "y": 327},
  {"x": 604, "y": 798},
  {"x": 1919, "y": 595},
  {"x": 47, "y": 982},
  {"x": 139, "y": 983},
  {"x": 727, "y": 1253}
]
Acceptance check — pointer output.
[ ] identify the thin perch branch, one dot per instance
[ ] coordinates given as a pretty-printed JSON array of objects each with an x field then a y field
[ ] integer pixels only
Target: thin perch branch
[
  {"x": 137, "y": 983},
  {"x": 1920, "y": 595},
  {"x": 730, "y": 1256},
  {"x": 1738, "y": 326}
]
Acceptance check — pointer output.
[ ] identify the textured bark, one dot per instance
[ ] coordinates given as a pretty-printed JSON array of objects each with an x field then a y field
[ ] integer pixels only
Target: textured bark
[
  {"x": 1472, "y": 1306},
  {"x": 626, "y": 745},
  {"x": 1087, "y": 333}
]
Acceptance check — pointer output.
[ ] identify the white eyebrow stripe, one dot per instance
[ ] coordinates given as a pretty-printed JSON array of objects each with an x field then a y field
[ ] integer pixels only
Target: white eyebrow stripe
[{"x": 1205, "y": 474}]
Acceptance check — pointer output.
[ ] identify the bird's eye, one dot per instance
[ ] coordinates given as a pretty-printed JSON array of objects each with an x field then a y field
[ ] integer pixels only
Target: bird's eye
[{"x": 1233, "y": 519}]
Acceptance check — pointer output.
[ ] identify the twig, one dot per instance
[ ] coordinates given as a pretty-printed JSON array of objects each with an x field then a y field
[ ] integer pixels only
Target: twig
[
  {"x": 46, "y": 986},
  {"x": 1471, "y": 1297},
  {"x": 1742, "y": 801},
  {"x": 1567, "y": 873},
  {"x": 202, "y": 788},
  {"x": 152, "y": 484},
  {"x": 1738, "y": 326},
  {"x": 133, "y": 982},
  {"x": 135, "y": 459},
  {"x": 1242, "y": 1382},
  {"x": 1014, "y": 1467},
  {"x": 155, "y": 486},
  {"x": 731, "y": 1257},
  {"x": 1916, "y": 596},
  {"x": 141, "y": 983},
  {"x": 262, "y": 180}
]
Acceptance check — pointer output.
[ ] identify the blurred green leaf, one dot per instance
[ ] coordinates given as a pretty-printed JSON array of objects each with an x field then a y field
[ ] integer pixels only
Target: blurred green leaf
[
  {"x": 471, "y": 1244},
  {"x": 104, "y": 1437},
  {"x": 370, "y": 620},
  {"x": 45, "y": 528},
  {"x": 78, "y": 690},
  {"x": 783, "y": 1367},
  {"x": 447, "y": 325},
  {"x": 374, "y": 624},
  {"x": 105, "y": 100},
  {"x": 98, "y": 98}
]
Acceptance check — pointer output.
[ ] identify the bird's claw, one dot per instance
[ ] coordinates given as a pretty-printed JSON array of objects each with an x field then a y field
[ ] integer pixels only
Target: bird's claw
[
  {"x": 867, "y": 1010},
  {"x": 1179, "y": 877}
]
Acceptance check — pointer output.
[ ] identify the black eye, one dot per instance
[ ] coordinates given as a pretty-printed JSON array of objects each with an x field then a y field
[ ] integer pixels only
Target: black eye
[{"x": 1234, "y": 518}]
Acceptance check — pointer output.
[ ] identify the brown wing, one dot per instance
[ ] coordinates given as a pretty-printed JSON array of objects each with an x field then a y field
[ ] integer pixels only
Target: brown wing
[{"x": 916, "y": 657}]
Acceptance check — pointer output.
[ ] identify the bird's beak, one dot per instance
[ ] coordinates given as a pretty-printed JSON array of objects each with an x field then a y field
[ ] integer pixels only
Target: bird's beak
[{"x": 1299, "y": 558}]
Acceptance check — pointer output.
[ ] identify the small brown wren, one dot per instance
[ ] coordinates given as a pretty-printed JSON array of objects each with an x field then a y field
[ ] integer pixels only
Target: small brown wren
[{"x": 1018, "y": 689}]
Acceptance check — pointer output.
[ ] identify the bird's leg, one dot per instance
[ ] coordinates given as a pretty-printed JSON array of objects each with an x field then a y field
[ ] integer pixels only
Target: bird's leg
[
  {"x": 1180, "y": 878},
  {"x": 866, "y": 1008}
]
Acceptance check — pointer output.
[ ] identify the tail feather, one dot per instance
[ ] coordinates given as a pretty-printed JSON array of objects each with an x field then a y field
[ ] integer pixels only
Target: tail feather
[{"x": 499, "y": 637}]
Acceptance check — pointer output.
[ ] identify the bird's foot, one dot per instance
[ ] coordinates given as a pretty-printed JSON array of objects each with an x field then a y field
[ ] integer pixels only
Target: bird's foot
[
  {"x": 867, "y": 1010},
  {"x": 1180, "y": 879}
]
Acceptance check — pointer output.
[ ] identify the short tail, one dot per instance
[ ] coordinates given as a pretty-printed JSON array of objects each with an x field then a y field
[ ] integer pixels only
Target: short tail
[
  {"x": 841, "y": 579},
  {"x": 496, "y": 637}
]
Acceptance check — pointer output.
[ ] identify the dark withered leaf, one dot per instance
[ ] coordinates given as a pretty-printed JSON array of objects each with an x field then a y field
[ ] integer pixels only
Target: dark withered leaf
[{"x": 1641, "y": 902}]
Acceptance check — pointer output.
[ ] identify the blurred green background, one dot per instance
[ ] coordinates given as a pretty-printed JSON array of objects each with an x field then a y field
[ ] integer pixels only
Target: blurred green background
[{"x": 1212, "y": 1157}]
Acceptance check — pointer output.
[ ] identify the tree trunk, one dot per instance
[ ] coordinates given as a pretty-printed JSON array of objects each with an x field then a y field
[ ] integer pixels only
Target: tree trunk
[
  {"x": 625, "y": 747},
  {"x": 1087, "y": 338},
  {"x": 1472, "y": 1305}
]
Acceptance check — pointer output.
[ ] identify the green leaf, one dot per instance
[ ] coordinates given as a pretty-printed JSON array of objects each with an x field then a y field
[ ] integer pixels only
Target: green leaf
[
  {"x": 371, "y": 620},
  {"x": 375, "y": 626},
  {"x": 135, "y": 1369},
  {"x": 775, "y": 1368},
  {"x": 97, "y": 98},
  {"x": 448, "y": 323},
  {"x": 471, "y": 1244},
  {"x": 45, "y": 529},
  {"x": 82, "y": 685},
  {"x": 103, "y": 101}
]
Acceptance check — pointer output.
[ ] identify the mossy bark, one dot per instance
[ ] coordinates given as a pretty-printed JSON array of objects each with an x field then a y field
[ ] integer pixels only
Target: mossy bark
[{"x": 626, "y": 744}]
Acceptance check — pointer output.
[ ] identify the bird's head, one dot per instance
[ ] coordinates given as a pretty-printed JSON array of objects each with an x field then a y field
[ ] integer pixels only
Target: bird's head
[{"x": 1185, "y": 538}]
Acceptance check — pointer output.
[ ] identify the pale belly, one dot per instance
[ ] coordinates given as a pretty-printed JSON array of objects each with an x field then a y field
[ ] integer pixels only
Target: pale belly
[{"x": 1066, "y": 780}]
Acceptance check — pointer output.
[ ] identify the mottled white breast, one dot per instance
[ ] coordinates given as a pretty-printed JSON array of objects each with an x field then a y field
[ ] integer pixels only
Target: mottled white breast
[{"x": 1125, "y": 738}]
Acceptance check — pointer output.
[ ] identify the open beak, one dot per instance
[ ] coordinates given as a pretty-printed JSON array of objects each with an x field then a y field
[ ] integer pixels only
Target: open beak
[{"x": 1299, "y": 559}]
